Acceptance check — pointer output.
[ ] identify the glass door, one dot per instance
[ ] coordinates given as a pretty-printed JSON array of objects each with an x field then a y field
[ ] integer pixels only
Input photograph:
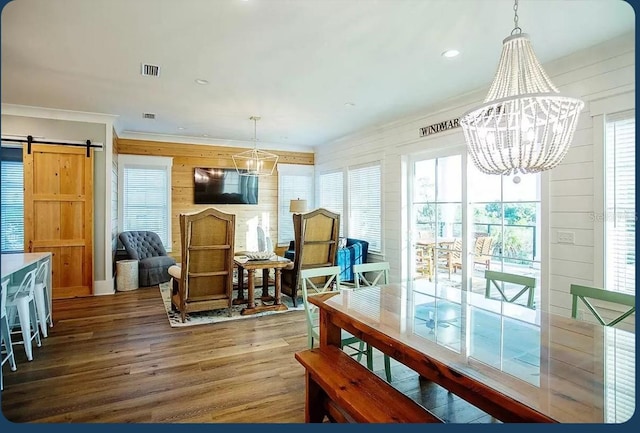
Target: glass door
[{"x": 435, "y": 265}]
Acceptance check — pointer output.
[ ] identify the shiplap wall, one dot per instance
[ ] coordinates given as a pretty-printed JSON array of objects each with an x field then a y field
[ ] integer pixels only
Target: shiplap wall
[
  {"x": 603, "y": 70},
  {"x": 188, "y": 156}
]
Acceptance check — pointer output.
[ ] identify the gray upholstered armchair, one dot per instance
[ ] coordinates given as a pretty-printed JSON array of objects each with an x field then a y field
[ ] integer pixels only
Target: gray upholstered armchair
[{"x": 153, "y": 261}]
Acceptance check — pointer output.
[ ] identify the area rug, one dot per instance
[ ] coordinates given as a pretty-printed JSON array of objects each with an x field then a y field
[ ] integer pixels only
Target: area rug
[{"x": 216, "y": 316}]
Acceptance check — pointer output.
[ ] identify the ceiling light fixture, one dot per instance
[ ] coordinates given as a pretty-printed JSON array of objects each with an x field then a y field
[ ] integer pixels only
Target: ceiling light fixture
[
  {"x": 524, "y": 125},
  {"x": 201, "y": 81},
  {"x": 450, "y": 53},
  {"x": 255, "y": 162},
  {"x": 349, "y": 104}
]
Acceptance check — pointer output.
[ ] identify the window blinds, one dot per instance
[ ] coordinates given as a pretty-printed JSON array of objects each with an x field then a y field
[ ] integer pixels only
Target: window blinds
[
  {"x": 620, "y": 211},
  {"x": 12, "y": 192},
  {"x": 294, "y": 182},
  {"x": 331, "y": 195},
  {"x": 620, "y": 375},
  {"x": 365, "y": 205},
  {"x": 145, "y": 201}
]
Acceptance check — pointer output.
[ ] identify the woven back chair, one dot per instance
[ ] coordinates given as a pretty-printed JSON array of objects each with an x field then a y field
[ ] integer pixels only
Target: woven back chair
[{"x": 204, "y": 281}]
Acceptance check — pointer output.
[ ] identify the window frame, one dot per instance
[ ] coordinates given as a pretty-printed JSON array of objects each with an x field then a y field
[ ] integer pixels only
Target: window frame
[
  {"x": 598, "y": 111},
  {"x": 148, "y": 162},
  {"x": 342, "y": 171},
  {"x": 18, "y": 148},
  {"x": 347, "y": 199},
  {"x": 285, "y": 170}
]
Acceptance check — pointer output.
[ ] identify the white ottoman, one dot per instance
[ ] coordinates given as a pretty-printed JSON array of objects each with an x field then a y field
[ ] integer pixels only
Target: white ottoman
[{"x": 126, "y": 275}]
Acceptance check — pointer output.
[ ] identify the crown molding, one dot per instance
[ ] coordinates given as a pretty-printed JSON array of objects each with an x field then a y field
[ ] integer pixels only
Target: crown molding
[{"x": 57, "y": 114}]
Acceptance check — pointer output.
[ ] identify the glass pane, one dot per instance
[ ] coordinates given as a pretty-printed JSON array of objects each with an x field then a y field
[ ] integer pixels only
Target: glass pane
[
  {"x": 449, "y": 173},
  {"x": 486, "y": 216},
  {"x": 518, "y": 243},
  {"x": 521, "y": 356},
  {"x": 482, "y": 187},
  {"x": 424, "y": 213},
  {"x": 424, "y": 185},
  {"x": 449, "y": 221},
  {"x": 524, "y": 187},
  {"x": 438, "y": 320},
  {"x": 486, "y": 334}
]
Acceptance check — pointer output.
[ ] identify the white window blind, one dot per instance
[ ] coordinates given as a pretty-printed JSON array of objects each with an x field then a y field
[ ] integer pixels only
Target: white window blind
[
  {"x": 12, "y": 191},
  {"x": 145, "y": 186},
  {"x": 294, "y": 182},
  {"x": 620, "y": 202},
  {"x": 331, "y": 194},
  {"x": 365, "y": 214},
  {"x": 620, "y": 375}
]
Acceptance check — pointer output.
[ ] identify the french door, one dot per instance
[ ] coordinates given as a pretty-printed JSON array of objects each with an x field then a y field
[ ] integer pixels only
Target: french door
[{"x": 464, "y": 223}]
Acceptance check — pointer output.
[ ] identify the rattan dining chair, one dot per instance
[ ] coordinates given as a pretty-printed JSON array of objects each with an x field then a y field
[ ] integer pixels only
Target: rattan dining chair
[
  {"x": 584, "y": 293},
  {"x": 315, "y": 281},
  {"x": 373, "y": 274}
]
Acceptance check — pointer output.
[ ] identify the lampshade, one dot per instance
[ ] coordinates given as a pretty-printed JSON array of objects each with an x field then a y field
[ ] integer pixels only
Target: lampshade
[
  {"x": 298, "y": 206},
  {"x": 255, "y": 162},
  {"x": 524, "y": 125}
]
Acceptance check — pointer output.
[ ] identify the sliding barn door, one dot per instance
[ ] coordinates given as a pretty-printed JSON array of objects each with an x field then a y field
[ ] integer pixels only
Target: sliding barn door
[{"x": 58, "y": 214}]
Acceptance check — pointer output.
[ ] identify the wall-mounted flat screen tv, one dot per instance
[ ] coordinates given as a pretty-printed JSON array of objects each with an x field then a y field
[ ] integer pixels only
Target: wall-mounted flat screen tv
[{"x": 224, "y": 186}]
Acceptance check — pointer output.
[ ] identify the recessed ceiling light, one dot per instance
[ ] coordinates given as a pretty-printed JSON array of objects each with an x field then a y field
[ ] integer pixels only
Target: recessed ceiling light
[
  {"x": 450, "y": 53},
  {"x": 205, "y": 135},
  {"x": 201, "y": 81},
  {"x": 181, "y": 128},
  {"x": 349, "y": 104}
]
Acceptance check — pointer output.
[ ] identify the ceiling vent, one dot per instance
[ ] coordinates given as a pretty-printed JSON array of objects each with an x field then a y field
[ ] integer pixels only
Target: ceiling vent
[
  {"x": 148, "y": 116},
  {"x": 150, "y": 70}
]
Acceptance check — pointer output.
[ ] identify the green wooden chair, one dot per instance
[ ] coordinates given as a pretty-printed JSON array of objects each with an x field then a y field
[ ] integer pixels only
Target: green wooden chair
[
  {"x": 378, "y": 273},
  {"x": 584, "y": 293},
  {"x": 494, "y": 279},
  {"x": 324, "y": 280}
]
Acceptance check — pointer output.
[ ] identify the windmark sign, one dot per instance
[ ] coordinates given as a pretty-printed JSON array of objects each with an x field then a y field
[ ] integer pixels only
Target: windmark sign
[{"x": 439, "y": 127}]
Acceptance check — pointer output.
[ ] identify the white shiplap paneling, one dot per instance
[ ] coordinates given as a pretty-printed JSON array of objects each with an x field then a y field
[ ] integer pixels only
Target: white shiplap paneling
[{"x": 603, "y": 70}]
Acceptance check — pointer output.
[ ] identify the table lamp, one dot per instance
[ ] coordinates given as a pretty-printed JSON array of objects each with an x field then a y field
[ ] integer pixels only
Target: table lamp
[{"x": 298, "y": 206}]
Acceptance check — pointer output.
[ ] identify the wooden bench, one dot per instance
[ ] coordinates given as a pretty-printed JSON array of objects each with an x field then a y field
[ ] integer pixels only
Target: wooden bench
[{"x": 340, "y": 388}]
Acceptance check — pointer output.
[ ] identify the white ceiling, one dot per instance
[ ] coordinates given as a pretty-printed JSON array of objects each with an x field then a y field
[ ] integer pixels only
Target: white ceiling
[{"x": 293, "y": 62}]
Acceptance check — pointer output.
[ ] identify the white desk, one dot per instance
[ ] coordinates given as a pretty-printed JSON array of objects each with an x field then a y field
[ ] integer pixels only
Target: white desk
[{"x": 14, "y": 263}]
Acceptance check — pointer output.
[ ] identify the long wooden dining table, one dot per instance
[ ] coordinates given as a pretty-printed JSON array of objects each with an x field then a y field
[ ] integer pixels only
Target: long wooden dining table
[{"x": 515, "y": 363}]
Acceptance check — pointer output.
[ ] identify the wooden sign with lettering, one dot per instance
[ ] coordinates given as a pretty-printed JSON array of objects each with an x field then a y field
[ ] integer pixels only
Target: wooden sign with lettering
[{"x": 439, "y": 127}]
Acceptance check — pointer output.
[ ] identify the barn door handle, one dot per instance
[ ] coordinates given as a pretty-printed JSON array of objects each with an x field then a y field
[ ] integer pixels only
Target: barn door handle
[{"x": 30, "y": 246}]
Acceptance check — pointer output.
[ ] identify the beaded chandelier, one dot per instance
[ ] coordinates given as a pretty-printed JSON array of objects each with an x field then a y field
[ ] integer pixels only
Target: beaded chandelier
[
  {"x": 524, "y": 125},
  {"x": 255, "y": 162}
]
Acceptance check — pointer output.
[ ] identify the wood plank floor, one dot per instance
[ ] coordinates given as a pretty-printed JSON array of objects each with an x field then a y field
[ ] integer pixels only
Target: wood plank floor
[{"x": 115, "y": 359}]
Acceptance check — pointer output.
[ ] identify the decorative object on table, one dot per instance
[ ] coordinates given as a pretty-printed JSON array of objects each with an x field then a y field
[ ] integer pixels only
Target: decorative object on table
[
  {"x": 297, "y": 206},
  {"x": 255, "y": 162},
  {"x": 524, "y": 125},
  {"x": 316, "y": 233},
  {"x": 153, "y": 261},
  {"x": 204, "y": 281},
  {"x": 213, "y": 316},
  {"x": 259, "y": 255}
]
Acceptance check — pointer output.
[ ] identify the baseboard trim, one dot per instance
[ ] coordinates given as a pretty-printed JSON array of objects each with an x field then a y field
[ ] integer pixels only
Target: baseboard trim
[{"x": 104, "y": 287}]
